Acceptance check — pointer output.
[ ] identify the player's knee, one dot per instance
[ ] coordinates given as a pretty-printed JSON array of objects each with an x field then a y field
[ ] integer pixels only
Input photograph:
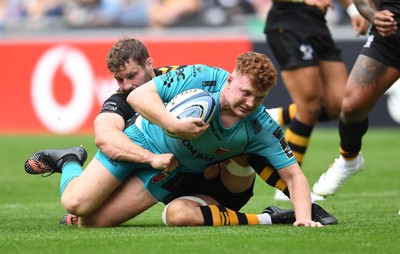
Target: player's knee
[
  {"x": 75, "y": 205},
  {"x": 174, "y": 214},
  {"x": 346, "y": 108},
  {"x": 177, "y": 214},
  {"x": 351, "y": 111}
]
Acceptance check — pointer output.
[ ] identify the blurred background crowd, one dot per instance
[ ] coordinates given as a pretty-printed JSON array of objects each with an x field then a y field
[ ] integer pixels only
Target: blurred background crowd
[{"x": 42, "y": 14}]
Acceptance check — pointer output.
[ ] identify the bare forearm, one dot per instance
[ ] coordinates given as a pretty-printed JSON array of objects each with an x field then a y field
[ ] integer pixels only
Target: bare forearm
[
  {"x": 146, "y": 101},
  {"x": 111, "y": 140},
  {"x": 300, "y": 197},
  {"x": 345, "y": 3},
  {"x": 367, "y": 8},
  {"x": 299, "y": 191},
  {"x": 117, "y": 146}
]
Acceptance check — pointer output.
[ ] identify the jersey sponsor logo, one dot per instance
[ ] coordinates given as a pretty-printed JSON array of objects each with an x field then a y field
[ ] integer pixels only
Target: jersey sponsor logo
[
  {"x": 180, "y": 74},
  {"x": 167, "y": 79},
  {"x": 307, "y": 51},
  {"x": 111, "y": 106},
  {"x": 165, "y": 69},
  {"x": 195, "y": 69},
  {"x": 209, "y": 83},
  {"x": 286, "y": 148},
  {"x": 278, "y": 133},
  {"x": 195, "y": 152},
  {"x": 159, "y": 177},
  {"x": 257, "y": 126},
  {"x": 220, "y": 151}
]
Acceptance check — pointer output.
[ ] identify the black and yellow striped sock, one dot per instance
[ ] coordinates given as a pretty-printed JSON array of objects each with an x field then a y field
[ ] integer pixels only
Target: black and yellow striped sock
[
  {"x": 298, "y": 138},
  {"x": 270, "y": 175},
  {"x": 351, "y": 138},
  {"x": 286, "y": 114},
  {"x": 220, "y": 216}
]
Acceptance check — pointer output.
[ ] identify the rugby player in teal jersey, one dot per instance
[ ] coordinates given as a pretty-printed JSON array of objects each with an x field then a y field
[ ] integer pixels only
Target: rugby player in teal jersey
[
  {"x": 240, "y": 126},
  {"x": 128, "y": 72}
]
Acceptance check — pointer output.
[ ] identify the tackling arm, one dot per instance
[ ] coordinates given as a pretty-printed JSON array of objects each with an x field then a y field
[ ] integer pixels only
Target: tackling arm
[{"x": 111, "y": 140}]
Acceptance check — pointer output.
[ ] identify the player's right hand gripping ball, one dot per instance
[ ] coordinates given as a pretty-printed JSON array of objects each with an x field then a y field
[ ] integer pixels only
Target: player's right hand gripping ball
[{"x": 192, "y": 103}]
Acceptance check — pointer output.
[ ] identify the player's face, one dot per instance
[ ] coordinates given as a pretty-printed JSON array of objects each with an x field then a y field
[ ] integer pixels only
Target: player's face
[
  {"x": 133, "y": 75},
  {"x": 243, "y": 97}
]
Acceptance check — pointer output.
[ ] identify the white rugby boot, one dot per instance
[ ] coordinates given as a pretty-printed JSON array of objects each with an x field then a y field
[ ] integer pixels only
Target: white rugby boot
[
  {"x": 274, "y": 113},
  {"x": 280, "y": 196},
  {"x": 337, "y": 174}
]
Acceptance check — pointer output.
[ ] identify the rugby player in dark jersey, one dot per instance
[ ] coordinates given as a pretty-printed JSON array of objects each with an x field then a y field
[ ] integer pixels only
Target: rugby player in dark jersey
[
  {"x": 311, "y": 66},
  {"x": 376, "y": 69}
]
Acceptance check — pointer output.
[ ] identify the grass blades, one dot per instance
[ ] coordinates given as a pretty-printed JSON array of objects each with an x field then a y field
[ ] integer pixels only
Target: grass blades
[{"x": 366, "y": 206}]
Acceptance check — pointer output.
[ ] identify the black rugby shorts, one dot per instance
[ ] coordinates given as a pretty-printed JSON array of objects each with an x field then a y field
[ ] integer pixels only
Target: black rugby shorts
[
  {"x": 294, "y": 50},
  {"x": 382, "y": 50}
]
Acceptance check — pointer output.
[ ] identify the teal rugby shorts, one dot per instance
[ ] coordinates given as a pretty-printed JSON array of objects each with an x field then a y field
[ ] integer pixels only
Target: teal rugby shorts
[{"x": 153, "y": 179}]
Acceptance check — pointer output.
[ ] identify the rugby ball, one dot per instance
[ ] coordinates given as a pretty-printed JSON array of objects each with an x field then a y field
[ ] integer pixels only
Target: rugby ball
[{"x": 195, "y": 103}]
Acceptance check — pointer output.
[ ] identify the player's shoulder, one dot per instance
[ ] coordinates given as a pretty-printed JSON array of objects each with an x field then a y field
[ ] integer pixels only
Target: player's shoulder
[
  {"x": 207, "y": 71},
  {"x": 117, "y": 103},
  {"x": 261, "y": 121},
  {"x": 193, "y": 67},
  {"x": 167, "y": 68},
  {"x": 117, "y": 96}
]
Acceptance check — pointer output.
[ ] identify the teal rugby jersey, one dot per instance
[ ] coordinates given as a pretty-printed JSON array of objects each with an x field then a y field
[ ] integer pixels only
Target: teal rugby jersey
[{"x": 255, "y": 134}]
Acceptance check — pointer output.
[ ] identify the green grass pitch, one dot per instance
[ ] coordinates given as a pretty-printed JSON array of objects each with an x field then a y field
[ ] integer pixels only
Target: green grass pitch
[{"x": 367, "y": 208}]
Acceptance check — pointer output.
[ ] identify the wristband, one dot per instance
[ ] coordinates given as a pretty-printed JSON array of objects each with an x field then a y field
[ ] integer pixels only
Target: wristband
[{"x": 352, "y": 10}]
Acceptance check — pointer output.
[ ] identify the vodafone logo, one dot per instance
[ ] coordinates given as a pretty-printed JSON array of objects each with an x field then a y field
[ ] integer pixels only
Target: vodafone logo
[{"x": 73, "y": 64}]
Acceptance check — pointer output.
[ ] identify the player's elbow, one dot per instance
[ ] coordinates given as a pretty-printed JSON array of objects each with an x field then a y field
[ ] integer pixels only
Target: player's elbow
[
  {"x": 100, "y": 142},
  {"x": 105, "y": 145}
]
